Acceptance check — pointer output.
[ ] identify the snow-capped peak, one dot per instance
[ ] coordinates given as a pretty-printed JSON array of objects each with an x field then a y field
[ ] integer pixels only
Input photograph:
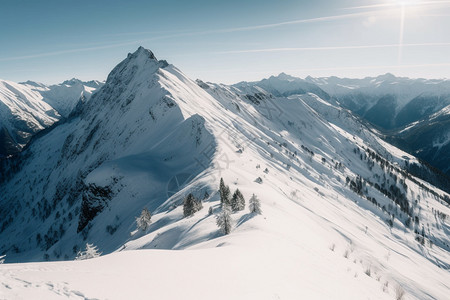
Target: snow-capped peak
[
  {"x": 142, "y": 60},
  {"x": 72, "y": 81},
  {"x": 284, "y": 76},
  {"x": 141, "y": 51}
]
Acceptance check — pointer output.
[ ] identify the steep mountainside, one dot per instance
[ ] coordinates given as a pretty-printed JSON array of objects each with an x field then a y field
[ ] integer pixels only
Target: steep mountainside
[
  {"x": 338, "y": 205},
  {"x": 428, "y": 139}
]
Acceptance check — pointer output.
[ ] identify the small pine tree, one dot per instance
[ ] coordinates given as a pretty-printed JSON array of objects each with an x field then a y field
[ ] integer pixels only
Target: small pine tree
[
  {"x": 224, "y": 221},
  {"x": 144, "y": 220},
  {"x": 90, "y": 252},
  {"x": 237, "y": 201},
  {"x": 254, "y": 205},
  {"x": 191, "y": 205},
  {"x": 224, "y": 192}
]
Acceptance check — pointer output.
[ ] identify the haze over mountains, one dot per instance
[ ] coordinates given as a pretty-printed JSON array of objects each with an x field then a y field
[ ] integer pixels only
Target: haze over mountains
[{"x": 342, "y": 209}]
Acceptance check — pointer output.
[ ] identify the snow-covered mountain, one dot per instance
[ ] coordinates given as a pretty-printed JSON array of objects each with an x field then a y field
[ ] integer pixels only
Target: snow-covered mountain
[
  {"x": 65, "y": 96},
  {"x": 29, "y": 107},
  {"x": 388, "y": 101},
  {"x": 23, "y": 113},
  {"x": 342, "y": 218},
  {"x": 428, "y": 138},
  {"x": 284, "y": 85}
]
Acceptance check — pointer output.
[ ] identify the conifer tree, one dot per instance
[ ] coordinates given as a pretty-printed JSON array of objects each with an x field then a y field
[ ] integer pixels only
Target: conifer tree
[
  {"x": 237, "y": 201},
  {"x": 254, "y": 205},
  {"x": 224, "y": 192},
  {"x": 224, "y": 221},
  {"x": 91, "y": 251},
  {"x": 191, "y": 205},
  {"x": 144, "y": 220}
]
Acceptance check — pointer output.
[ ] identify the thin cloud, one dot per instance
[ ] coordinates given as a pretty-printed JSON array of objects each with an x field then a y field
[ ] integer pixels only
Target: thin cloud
[
  {"x": 390, "y": 5},
  {"x": 54, "y": 53},
  {"x": 297, "y": 49},
  {"x": 195, "y": 33},
  {"x": 412, "y": 66},
  {"x": 301, "y": 21},
  {"x": 266, "y": 26}
]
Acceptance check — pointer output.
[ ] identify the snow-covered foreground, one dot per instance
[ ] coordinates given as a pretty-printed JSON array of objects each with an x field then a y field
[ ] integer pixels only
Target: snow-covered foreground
[
  {"x": 290, "y": 252},
  {"x": 250, "y": 266}
]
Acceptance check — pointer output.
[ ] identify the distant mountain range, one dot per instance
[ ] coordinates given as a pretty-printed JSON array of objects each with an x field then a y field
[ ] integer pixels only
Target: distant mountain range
[{"x": 29, "y": 107}]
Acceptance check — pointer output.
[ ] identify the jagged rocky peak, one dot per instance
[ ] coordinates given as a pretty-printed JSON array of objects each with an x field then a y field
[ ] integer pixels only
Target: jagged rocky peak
[
  {"x": 140, "y": 61},
  {"x": 72, "y": 81},
  {"x": 145, "y": 54},
  {"x": 142, "y": 51},
  {"x": 284, "y": 76}
]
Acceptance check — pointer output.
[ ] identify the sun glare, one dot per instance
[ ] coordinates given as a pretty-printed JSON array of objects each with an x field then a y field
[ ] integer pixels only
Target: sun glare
[
  {"x": 407, "y": 2},
  {"x": 403, "y": 4}
]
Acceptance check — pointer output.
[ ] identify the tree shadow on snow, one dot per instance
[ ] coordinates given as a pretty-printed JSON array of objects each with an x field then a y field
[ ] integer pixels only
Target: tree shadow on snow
[{"x": 245, "y": 218}]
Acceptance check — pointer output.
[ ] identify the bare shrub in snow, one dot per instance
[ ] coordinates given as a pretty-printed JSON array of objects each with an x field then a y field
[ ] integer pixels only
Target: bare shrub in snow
[
  {"x": 332, "y": 246},
  {"x": 254, "y": 205},
  {"x": 386, "y": 287},
  {"x": 399, "y": 292},
  {"x": 224, "y": 220},
  {"x": 144, "y": 220},
  {"x": 91, "y": 251}
]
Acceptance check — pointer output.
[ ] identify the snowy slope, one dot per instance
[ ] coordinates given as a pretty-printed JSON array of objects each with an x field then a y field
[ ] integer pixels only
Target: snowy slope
[
  {"x": 22, "y": 113},
  {"x": 342, "y": 219},
  {"x": 389, "y": 102}
]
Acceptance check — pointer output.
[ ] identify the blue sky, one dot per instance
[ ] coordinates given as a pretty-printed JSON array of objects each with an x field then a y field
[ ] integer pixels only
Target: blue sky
[{"x": 226, "y": 41}]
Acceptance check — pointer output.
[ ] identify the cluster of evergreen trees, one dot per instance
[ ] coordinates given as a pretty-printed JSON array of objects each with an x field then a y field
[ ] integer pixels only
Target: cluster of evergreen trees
[
  {"x": 229, "y": 203},
  {"x": 236, "y": 202},
  {"x": 233, "y": 203}
]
